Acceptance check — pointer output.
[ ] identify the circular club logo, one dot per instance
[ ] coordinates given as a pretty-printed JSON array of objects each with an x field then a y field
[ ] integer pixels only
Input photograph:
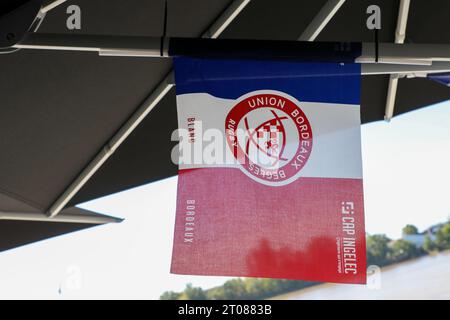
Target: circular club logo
[{"x": 270, "y": 136}]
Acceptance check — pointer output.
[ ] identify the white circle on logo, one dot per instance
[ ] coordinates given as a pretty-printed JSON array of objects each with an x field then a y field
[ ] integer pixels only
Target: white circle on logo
[{"x": 271, "y": 134}]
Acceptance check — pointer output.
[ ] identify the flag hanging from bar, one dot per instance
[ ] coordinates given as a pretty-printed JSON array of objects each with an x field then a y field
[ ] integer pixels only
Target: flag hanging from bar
[{"x": 270, "y": 174}]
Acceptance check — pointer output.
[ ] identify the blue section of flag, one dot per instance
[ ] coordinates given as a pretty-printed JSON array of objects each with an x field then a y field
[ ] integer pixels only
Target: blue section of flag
[
  {"x": 230, "y": 79},
  {"x": 442, "y": 78}
]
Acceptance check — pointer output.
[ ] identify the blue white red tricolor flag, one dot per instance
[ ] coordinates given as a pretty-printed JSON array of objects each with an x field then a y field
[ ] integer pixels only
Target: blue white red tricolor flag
[{"x": 270, "y": 174}]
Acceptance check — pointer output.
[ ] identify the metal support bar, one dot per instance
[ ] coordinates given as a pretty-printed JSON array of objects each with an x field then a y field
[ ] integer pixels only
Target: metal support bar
[
  {"x": 65, "y": 218},
  {"x": 402, "y": 20},
  {"x": 321, "y": 20},
  {"x": 224, "y": 20},
  {"x": 397, "y": 53},
  {"x": 111, "y": 147},
  {"x": 390, "y": 98},
  {"x": 399, "y": 38},
  {"x": 104, "y": 45},
  {"x": 404, "y": 69},
  {"x": 409, "y": 53},
  {"x": 51, "y": 4}
]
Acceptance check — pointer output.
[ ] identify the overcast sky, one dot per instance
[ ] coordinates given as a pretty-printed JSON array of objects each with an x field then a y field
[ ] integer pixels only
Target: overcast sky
[{"x": 406, "y": 180}]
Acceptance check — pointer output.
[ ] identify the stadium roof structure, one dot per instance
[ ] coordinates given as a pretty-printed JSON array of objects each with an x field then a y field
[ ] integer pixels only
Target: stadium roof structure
[{"x": 87, "y": 113}]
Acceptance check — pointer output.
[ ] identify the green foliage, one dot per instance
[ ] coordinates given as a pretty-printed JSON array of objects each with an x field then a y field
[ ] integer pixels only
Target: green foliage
[
  {"x": 382, "y": 251},
  {"x": 402, "y": 250},
  {"x": 440, "y": 241},
  {"x": 429, "y": 245},
  {"x": 239, "y": 289},
  {"x": 192, "y": 293},
  {"x": 410, "y": 229},
  {"x": 378, "y": 251},
  {"x": 170, "y": 295},
  {"x": 443, "y": 237}
]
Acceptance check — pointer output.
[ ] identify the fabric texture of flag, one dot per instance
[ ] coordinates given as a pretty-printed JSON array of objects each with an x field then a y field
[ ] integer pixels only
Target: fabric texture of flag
[{"x": 270, "y": 173}]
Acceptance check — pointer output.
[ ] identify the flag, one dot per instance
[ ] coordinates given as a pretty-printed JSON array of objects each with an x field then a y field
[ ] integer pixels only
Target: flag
[{"x": 270, "y": 171}]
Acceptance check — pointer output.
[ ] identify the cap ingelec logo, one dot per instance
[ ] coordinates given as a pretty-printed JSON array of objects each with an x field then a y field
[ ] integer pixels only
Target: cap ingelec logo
[{"x": 270, "y": 136}]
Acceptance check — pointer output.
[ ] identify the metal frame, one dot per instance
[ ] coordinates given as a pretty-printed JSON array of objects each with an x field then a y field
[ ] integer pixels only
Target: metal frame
[
  {"x": 51, "y": 4},
  {"x": 109, "y": 46},
  {"x": 405, "y": 70},
  {"x": 103, "y": 45},
  {"x": 321, "y": 20},
  {"x": 66, "y": 218},
  {"x": 156, "y": 96},
  {"x": 214, "y": 31},
  {"x": 398, "y": 60},
  {"x": 393, "y": 58},
  {"x": 400, "y": 33}
]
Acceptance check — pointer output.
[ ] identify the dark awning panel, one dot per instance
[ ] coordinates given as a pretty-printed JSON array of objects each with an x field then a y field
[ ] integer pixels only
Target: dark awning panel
[{"x": 18, "y": 233}]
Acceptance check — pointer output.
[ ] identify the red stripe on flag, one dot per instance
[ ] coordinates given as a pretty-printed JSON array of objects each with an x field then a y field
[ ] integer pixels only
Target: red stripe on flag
[{"x": 229, "y": 225}]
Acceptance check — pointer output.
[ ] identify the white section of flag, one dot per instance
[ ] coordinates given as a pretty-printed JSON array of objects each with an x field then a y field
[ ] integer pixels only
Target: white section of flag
[{"x": 336, "y": 151}]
